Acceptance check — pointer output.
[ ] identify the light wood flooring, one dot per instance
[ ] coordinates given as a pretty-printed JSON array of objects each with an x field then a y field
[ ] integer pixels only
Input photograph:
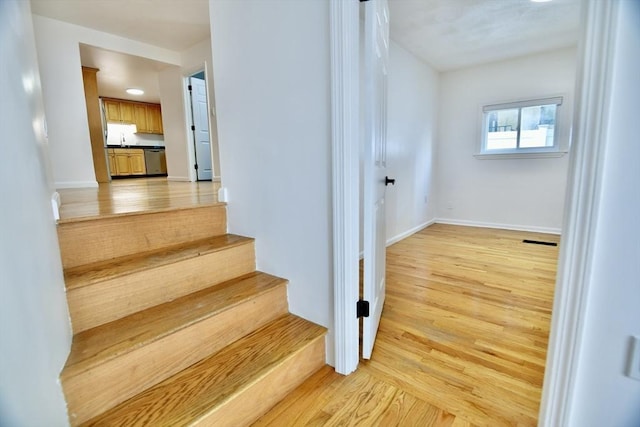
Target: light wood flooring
[
  {"x": 463, "y": 335},
  {"x": 462, "y": 340},
  {"x": 123, "y": 196}
]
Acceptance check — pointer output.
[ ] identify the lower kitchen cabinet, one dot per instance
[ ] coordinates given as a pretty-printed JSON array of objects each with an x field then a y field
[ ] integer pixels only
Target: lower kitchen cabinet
[{"x": 126, "y": 161}]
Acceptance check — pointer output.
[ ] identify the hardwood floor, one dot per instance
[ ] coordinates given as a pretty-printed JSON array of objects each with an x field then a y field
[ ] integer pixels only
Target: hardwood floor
[
  {"x": 463, "y": 335},
  {"x": 135, "y": 195},
  {"x": 462, "y": 340}
]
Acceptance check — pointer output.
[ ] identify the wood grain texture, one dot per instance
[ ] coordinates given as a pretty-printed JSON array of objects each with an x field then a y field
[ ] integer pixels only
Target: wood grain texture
[
  {"x": 127, "y": 196},
  {"x": 115, "y": 361},
  {"x": 462, "y": 339},
  {"x": 232, "y": 387},
  {"x": 94, "y": 120},
  {"x": 101, "y": 293},
  {"x": 85, "y": 241}
]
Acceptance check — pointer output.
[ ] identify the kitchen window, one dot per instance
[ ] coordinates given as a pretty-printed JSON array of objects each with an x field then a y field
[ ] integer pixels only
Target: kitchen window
[{"x": 521, "y": 129}]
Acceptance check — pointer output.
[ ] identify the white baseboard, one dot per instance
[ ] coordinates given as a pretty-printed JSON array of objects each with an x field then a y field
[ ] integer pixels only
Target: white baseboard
[
  {"x": 75, "y": 184},
  {"x": 408, "y": 233},
  {"x": 178, "y": 178},
  {"x": 217, "y": 179},
  {"x": 404, "y": 235},
  {"x": 530, "y": 228},
  {"x": 55, "y": 205}
]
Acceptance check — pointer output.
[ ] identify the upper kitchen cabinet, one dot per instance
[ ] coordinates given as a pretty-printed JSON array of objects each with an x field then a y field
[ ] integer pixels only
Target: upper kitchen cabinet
[
  {"x": 154, "y": 118},
  {"x": 118, "y": 111},
  {"x": 140, "y": 113},
  {"x": 146, "y": 117}
]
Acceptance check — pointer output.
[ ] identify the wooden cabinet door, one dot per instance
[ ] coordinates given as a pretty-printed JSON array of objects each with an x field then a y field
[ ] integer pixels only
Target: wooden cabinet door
[
  {"x": 138, "y": 167},
  {"x": 126, "y": 113},
  {"x": 123, "y": 165},
  {"x": 113, "y": 170},
  {"x": 112, "y": 110},
  {"x": 154, "y": 119},
  {"x": 140, "y": 113}
]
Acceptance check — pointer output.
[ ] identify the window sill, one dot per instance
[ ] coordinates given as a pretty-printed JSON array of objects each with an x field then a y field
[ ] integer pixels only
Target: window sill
[{"x": 520, "y": 155}]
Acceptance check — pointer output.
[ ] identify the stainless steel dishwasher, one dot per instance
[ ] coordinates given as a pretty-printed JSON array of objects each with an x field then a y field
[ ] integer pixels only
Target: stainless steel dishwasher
[{"x": 155, "y": 161}]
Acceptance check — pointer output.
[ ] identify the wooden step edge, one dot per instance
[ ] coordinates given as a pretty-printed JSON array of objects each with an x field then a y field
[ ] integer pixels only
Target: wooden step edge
[
  {"x": 290, "y": 372},
  {"x": 87, "y": 218},
  {"x": 81, "y": 359},
  {"x": 89, "y": 274},
  {"x": 275, "y": 384},
  {"x": 198, "y": 390}
]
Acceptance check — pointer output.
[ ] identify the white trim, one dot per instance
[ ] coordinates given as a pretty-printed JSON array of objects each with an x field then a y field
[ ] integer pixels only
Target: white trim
[
  {"x": 556, "y": 100},
  {"x": 516, "y": 227},
  {"x": 75, "y": 184},
  {"x": 414, "y": 230},
  {"x": 344, "y": 20},
  {"x": 520, "y": 154},
  {"x": 593, "y": 85},
  {"x": 55, "y": 205},
  {"x": 179, "y": 178}
]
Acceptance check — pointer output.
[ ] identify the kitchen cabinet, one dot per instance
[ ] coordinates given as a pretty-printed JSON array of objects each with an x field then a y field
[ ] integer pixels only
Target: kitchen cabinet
[
  {"x": 111, "y": 155},
  {"x": 126, "y": 161},
  {"x": 117, "y": 111},
  {"x": 147, "y": 117},
  {"x": 154, "y": 119},
  {"x": 140, "y": 115}
]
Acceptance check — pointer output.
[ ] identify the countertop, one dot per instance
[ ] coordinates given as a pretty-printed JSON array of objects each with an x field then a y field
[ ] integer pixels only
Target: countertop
[{"x": 134, "y": 146}]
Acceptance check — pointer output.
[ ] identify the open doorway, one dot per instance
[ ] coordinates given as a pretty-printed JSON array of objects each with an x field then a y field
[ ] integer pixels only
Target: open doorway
[{"x": 199, "y": 126}]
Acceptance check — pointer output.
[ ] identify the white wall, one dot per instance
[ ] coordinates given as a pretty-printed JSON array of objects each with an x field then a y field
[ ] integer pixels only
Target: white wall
[
  {"x": 510, "y": 193},
  {"x": 271, "y": 62},
  {"x": 174, "y": 123},
  {"x": 59, "y": 60},
  {"x": 35, "y": 332},
  {"x": 411, "y": 119},
  {"x": 603, "y": 394}
]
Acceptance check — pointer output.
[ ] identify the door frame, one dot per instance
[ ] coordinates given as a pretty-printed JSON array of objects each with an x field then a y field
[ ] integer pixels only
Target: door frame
[
  {"x": 188, "y": 111},
  {"x": 578, "y": 235},
  {"x": 344, "y": 47},
  {"x": 593, "y": 83}
]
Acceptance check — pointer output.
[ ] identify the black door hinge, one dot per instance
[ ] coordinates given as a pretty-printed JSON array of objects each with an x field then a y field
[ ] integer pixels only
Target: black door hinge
[
  {"x": 362, "y": 308},
  {"x": 193, "y": 127},
  {"x": 195, "y": 166},
  {"x": 190, "y": 88}
]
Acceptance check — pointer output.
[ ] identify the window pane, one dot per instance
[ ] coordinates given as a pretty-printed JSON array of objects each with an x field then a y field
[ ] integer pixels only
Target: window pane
[
  {"x": 502, "y": 129},
  {"x": 538, "y": 125}
]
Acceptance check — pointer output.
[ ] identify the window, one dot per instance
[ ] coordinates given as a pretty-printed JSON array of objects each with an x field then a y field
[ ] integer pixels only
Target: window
[{"x": 520, "y": 128}]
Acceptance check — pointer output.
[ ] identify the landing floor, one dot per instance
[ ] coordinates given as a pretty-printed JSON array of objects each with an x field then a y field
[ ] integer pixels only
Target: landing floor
[{"x": 135, "y": 195}]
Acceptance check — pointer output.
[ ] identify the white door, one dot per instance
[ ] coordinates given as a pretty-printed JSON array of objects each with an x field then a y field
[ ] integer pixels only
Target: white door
[
  {"x": 200, "y": 112},
  {"x": 376, "y": 57}
]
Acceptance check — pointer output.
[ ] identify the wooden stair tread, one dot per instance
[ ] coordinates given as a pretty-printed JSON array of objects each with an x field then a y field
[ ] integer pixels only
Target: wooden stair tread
[
  {"x": 100, "y": 344},
  {"x": 191, "y": 394},
  {"x": 88, "y": 274},
  {"x": 146, "y": 211}
]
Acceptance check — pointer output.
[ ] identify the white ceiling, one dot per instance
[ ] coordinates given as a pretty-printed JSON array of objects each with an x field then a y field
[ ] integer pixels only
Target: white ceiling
[
  {"x": 447, "y": 34},
  {"x": 450, "y": 34},
  {"x": 172, "y": 24},
  {"x": 119, "y": 71}
]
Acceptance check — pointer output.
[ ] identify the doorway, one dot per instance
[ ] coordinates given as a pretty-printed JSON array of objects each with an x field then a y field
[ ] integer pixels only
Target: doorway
[{"x": 199, "y": 125}]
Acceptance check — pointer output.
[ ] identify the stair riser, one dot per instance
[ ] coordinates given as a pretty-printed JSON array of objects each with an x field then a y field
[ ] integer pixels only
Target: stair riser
[
  {"x": 84, "y": 242},
  {"x": 112, "y": 299},
  {"x": 253, "y": 402},
  {"x": 96, "y": 390}
]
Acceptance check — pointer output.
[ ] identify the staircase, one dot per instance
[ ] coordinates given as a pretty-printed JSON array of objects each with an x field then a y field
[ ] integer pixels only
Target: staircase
[{"x": 172, "y": 324}]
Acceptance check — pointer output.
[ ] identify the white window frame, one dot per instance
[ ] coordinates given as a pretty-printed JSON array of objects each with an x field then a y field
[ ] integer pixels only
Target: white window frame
[{"x": 561, "y": 130}]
